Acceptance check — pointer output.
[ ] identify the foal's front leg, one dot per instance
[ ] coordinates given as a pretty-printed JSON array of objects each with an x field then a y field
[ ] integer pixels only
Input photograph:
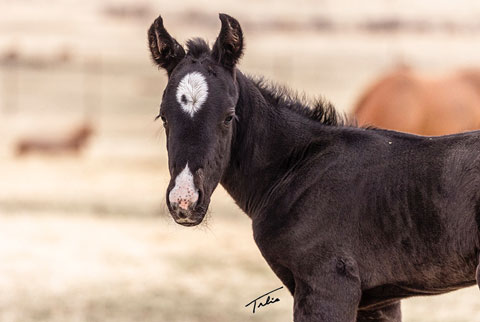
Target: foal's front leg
[
  {"x": 391, "y": 313},
  {"x": 329, "y": 295}
]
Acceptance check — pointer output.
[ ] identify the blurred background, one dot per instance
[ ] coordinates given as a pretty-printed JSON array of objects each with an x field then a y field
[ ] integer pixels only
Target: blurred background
[{"x": 84, "y": 232}]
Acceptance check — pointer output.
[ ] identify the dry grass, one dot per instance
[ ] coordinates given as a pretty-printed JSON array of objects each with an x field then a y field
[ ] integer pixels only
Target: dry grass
[
  {"x": 55, "y": 267},
  {"x": 58, "y": 267}
]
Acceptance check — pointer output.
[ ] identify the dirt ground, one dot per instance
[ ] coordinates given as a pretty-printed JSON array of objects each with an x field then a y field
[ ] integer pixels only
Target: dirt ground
[
  {"x": 86, "y": 237},
  {"x": 84, "y": 267}
]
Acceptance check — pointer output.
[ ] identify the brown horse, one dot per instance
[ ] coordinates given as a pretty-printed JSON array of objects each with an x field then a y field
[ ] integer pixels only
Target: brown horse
[
  {"x": 71, "y": 142},
  {"x": 406, "y": 101}
]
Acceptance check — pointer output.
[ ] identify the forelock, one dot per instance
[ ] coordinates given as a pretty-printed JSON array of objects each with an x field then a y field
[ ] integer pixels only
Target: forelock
[{"x": 197, "y": 47}]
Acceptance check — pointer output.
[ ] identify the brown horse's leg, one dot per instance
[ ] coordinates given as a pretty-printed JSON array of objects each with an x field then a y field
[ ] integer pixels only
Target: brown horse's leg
[{"x": 391, "y": 313}]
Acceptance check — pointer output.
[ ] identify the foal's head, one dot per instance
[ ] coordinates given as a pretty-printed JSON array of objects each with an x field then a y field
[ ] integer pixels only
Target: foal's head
[{"x": 198, "y": 112}]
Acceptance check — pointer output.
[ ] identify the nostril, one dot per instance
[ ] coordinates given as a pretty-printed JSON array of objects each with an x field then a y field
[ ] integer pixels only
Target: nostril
[{"x": 174, "y": 206}]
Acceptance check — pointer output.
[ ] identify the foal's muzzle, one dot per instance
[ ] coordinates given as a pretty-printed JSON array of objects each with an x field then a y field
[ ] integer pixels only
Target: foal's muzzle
[
  {"x": 185, "y": 198},
  {"x": 186, "y": 217}
]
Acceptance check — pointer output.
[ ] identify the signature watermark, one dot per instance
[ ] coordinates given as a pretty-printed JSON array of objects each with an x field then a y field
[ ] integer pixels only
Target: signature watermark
[{"x": 264, "y": 300}]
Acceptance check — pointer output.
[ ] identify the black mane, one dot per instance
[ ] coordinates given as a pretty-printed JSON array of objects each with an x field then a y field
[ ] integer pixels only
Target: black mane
[{"x": 319, "y": 110}]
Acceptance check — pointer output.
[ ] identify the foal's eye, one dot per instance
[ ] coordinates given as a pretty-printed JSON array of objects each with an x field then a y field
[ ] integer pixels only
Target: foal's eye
[
  {"x": 162, "y": 117},
  {"x": 164, "y": 120},
  {"x": 228, "y": 119}
]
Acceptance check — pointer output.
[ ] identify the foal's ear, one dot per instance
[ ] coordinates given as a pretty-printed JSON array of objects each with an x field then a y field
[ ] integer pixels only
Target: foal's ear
[
  {"x": 228, "y": 47},
  {"x": 166, "y": 51}
]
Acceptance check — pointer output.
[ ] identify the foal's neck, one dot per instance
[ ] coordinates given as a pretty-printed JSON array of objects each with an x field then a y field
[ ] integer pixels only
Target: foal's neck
[{"x": 266, "y": 141}]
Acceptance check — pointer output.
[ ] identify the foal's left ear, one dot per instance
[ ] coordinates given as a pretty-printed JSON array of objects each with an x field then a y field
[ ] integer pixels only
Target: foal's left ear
[
  {"x": 228, "y": 47},
  {"x": 166, "y": 51}
]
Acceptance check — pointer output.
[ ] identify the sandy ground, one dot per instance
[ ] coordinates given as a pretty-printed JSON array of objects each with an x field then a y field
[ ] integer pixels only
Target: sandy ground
[
  {"x": 87, "y": 238},
  {"x": 85, "y": 268},
  {"x": 58, "y": 267}
]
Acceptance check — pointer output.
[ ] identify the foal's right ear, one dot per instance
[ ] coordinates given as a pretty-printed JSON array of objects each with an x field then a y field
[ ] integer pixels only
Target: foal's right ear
[{"x": 166, "y": 51}]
